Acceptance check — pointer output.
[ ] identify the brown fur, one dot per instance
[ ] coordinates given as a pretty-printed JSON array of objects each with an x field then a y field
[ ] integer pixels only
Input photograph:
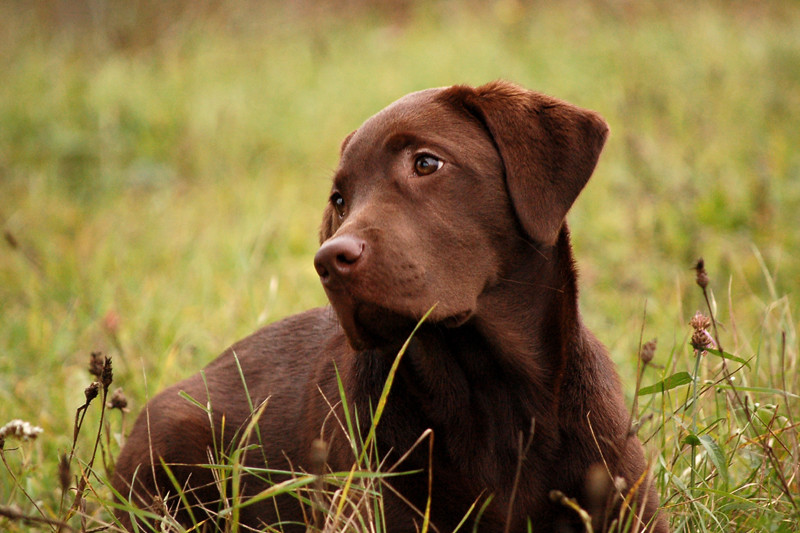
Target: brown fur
[{"x": 482, "y": 238}]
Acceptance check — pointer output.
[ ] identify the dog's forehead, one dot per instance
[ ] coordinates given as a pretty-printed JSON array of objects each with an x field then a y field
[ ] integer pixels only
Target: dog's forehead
[
  {"x": 420, "y": 112},
  {"x": 419, "y": 109},
  {"x": 408, "y": 105},
  {"x": 421, "y": 115}
]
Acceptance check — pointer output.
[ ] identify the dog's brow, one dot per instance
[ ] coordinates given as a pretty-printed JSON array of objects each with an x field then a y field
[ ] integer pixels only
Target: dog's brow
[
  {"x": 338, "y": 178},
  {"x": 399, "y": 141}
]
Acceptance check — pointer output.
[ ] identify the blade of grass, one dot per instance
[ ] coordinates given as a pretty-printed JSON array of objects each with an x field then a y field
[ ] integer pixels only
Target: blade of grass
[{"x": 673, "y": 381}]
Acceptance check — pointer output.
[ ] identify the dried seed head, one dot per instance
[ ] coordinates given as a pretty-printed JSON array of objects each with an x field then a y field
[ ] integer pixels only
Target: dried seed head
[
  {"x": 597, "y": 486},
  {"x": 107, "y": 376},
  {"x": 319, "y": 456},
  {"x": 96, "y": 364},
  {"x": 319, "y": 452},
  {"x": 158, "y": 506},
  {"x": 20, "y": 429},
  {"x": 63, "y": 472},
  {"x": 700, "y": 321},
  {"x": 701, "y": 338},
  {"x": 648, "y": 351},
  {"x": 698, "y": 340},
  {"x": 91, "y": 392},
  {"x": 702, "y": 276},
  {"x": 702, "y": 341},
  {"x": 118, "y": 401}
]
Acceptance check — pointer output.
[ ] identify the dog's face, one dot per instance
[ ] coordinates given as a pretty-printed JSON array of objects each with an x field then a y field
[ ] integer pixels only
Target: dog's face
[{"x": 434, "y": 192}]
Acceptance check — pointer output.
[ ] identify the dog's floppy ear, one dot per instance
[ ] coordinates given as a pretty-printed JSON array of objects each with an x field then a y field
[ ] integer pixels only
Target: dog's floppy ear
[{"x": 549, "y": 149}]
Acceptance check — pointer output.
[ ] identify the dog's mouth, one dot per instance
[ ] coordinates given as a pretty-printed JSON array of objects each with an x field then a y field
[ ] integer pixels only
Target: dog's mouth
[
  {"x": 458, "y": 319},
  {"x": 369, "y": 325}
]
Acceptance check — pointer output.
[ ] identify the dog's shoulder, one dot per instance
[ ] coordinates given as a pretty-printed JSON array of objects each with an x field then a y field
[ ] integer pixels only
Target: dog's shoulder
[
  {"x": 293, "y": 337},
  {"x": 273, "y": 362},
  {"x": 277, "y": 357}
]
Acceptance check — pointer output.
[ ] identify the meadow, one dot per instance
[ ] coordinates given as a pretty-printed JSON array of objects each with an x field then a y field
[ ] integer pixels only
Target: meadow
[{"x": 163, "y": 169}]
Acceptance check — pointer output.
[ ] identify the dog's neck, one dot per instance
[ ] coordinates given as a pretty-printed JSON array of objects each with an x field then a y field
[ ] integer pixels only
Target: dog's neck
[
  {"x": 531, "y": 313},
  {"x": 502, "y": 368}
]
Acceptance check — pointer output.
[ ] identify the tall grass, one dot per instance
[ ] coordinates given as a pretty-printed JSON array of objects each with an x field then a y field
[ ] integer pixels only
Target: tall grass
[{"x": 162, "y": 170}]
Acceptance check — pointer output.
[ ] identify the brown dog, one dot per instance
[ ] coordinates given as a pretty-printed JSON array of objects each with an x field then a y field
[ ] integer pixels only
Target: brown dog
[{"x": 452, "y": 199}]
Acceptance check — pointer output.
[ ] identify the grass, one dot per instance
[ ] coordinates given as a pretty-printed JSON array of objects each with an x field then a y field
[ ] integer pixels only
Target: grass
[{"x": 162, "y": 173}]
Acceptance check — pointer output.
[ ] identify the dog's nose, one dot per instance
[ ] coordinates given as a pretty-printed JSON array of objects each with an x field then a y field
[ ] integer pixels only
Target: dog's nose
[{"x": 338, "y": 256}]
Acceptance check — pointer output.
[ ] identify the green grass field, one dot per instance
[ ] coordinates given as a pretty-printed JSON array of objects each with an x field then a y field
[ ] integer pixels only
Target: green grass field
[{"x": 163, "y": 170}]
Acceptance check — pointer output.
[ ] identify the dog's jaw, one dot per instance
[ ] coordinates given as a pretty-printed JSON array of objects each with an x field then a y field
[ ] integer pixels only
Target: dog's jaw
[
  {"x": 369, "y": 325},
  {"x": 365, "y": 325}
]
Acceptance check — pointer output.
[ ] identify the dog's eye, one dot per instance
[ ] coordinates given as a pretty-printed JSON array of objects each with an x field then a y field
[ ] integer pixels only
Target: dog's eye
[
  {"x": 427, "y": 164},
  {"x": 337, "y": 201}
]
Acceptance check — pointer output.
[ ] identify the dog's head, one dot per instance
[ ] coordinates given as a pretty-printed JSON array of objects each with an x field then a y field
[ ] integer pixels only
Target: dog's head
[{"x": 433, "y": 192}]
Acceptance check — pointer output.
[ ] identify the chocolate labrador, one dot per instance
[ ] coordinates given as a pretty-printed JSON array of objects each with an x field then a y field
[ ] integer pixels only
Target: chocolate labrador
[{"x": 452, "y": 201}]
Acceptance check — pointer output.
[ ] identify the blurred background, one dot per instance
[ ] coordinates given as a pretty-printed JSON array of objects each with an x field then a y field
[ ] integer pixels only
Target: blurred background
[{"x": 164, "y": 165}]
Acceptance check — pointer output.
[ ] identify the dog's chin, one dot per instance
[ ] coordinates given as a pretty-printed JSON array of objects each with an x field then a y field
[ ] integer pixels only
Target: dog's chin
[
  {"x": 456, "y": 320},
  {"x": 372, "y": 326}
]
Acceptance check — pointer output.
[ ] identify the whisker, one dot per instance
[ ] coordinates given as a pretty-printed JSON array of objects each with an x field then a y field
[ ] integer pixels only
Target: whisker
[{"x": 531, "y": 284}]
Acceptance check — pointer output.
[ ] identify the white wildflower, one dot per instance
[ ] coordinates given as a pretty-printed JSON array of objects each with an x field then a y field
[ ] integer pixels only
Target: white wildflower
[{"x": 20, "y": 429}]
